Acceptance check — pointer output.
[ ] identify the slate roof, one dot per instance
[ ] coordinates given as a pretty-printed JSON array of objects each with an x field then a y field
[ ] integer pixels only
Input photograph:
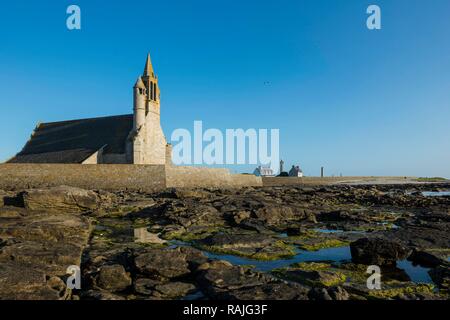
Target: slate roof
[{"x": 75, "y": 140}]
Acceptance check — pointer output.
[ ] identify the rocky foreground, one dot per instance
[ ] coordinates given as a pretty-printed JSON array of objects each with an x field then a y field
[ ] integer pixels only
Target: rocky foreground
[{"x": 291, "y": 242}]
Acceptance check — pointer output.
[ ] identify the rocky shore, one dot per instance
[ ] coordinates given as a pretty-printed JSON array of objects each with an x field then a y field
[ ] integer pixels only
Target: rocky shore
[{"x": 287, "y": 242}]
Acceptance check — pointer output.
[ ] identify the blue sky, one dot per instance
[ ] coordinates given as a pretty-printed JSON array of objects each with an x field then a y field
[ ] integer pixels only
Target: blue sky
[{"x": 355, "y": 101}]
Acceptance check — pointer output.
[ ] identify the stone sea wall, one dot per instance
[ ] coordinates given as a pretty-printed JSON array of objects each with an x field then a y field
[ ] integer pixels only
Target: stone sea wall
[
  {"x": 191, "y": 177},
  {"x": 98, "y": 176},
  {"x": 118, "y": 176}
]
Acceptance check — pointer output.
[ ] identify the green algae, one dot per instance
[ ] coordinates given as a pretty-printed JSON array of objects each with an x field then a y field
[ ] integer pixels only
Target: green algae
[
  {"x": 316, "y": 274},
  {"x": 189, "y": 236},
  {"x": 327, "y": 243},
  {"x": 391, "y": 293},
  {"x": 311, "y": 266},
  {"x": 278, "y": 250}
]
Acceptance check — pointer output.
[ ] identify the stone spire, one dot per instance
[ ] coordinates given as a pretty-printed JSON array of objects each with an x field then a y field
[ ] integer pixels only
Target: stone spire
[
  {"x": 148, "y": 71},
  {"x": 150, "y": 81}
]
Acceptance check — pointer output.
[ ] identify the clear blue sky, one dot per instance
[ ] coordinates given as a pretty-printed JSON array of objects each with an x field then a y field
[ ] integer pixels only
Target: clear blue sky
[{"x": 355, "y": 101}]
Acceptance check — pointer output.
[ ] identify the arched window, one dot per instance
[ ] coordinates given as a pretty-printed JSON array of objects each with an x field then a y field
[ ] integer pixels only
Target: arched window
[{"x": 151, "y": 90}]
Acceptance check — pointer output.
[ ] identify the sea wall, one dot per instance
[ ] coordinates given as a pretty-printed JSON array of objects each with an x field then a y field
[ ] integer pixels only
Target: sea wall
[
  {"x": 96, "y": 176},
  {"x": 118, "y": 176},
  {"x": 191, "y": 177}
]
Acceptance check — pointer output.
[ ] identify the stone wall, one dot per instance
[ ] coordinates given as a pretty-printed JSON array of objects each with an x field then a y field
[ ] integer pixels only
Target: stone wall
[
  {"x": 169, "y": 155},
  {"x": 242, "y": 180},
  {"x": 191, "y": 177},
  {"x": 118, "y": 176},
  {"x": 100, "y": 176}
]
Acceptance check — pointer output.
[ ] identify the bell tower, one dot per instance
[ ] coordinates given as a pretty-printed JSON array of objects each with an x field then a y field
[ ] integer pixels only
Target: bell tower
[
  {"x": 147, "y": 138},
  {"x": 151, "y": 83}
]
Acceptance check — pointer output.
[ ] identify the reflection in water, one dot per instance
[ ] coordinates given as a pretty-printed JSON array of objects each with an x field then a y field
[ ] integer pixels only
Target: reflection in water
[
  {"x": 340, "y": 254},
  {"x": 194, "y": 296},
  {"x": 416, "y": 273},
  {"x": 141, "y": 235},
  {"x": 333, "y": 231},
  {"x": 328, "y": 230},
  {"x": 329, "y": 254},
  {"x": 435, "y": 193}
]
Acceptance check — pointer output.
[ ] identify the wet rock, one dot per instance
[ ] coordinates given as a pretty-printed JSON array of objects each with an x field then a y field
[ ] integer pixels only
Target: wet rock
[
  {"x": 26, "y": 282},
  {"x": 391, "y": 272},
  {"x": 252, "y": 245},
  {"x": 107, "y": 199},
  {"x": 2, "y": 197},
  {"x": 185, "y": 193},
  {"x": 36, "y": 250},
  {"x": 192, "y": 213},
  {"x": 295, "y": 231},
  {"x": 311, "y": 241},
  {"x": 233, "y": 241},
  {"x": 240, "y": 216},
  {"x": 57, "y": 284},
  {"x": 338, "y": 293},
  {"x": 194, "y": 257},
  {"x": 192, "y": 193},
  {"x": 113, "y": 278},
  {"x": 19, "y": 281},
  {"x": 345, "y": 216},
  {"x": 441, "y": 276},
  {"x": 173, "y": 289},
  {"x": 36, "y": 246},
  {"x": 222, "y": 280},
  {"x": 100, "y": 295},
  {"x": 425, "y": 259},
  {"x": 315, "y": 278},
  {"x": 224, "y": 208},
  {"x": 377, "y": 251},
  {"x": 221, "y": 275},
  {"x": 11, "y": 212},
  {"x": 320, "y": 294},
  {"x": 40, "y": 229},
  {"x": 269, "y": 291},
  {"x": 167, "y": 263},
  {"x": 323, "y": 294},
  {"x": 254, "y": 225},
  {"x": 272, "y": 214},
  {"x": 62, "y": 198},
  {"x": 423, "y": 235},
  {"x": 145, "y": 286}
]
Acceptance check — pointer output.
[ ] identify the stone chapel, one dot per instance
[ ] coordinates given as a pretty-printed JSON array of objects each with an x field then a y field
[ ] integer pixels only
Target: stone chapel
[{"x": 125, "y": 139}]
